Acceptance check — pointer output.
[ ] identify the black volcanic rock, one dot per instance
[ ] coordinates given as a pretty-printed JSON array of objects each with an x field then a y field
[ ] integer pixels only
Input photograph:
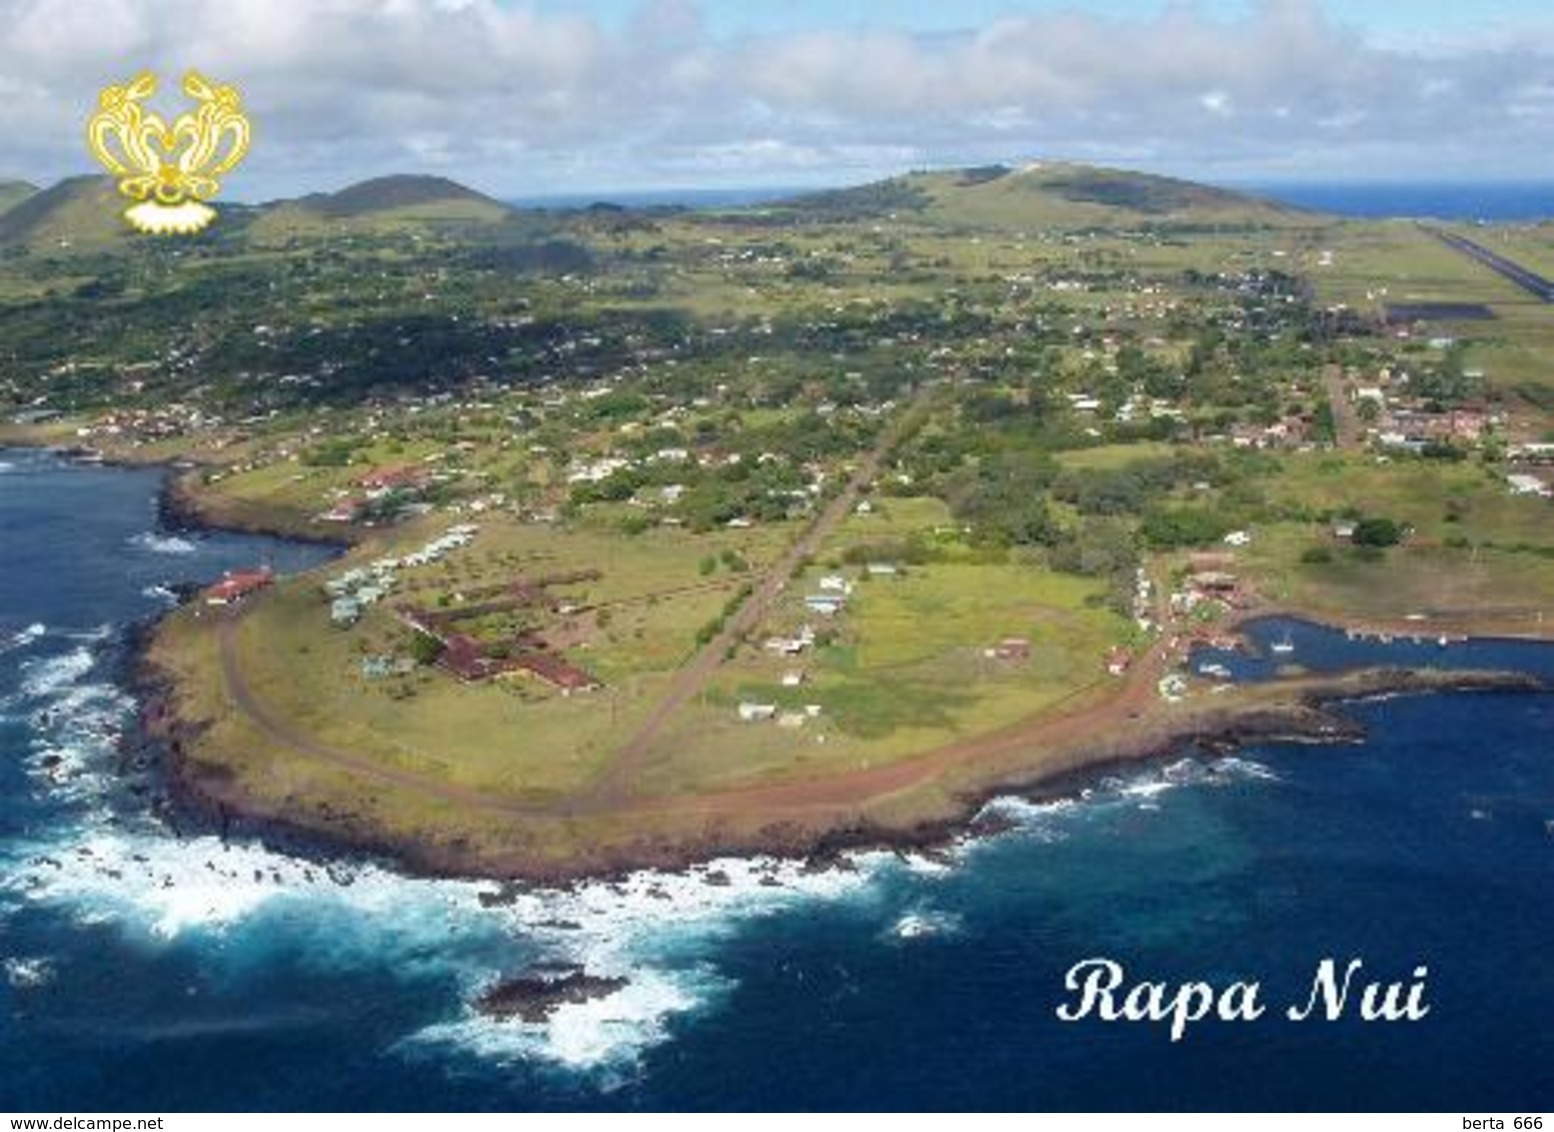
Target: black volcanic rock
[{"x": 535, "y": 997}]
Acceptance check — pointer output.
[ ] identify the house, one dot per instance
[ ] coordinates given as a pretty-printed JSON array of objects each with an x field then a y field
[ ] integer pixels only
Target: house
[
  {"x": 1522, "y": 483},
  {"x": 235, "y": 586},
  {"x": 377, "y": 667},
  {"x": 1010, "y": 648},
  {"x": 756, "y": 713},
  {"x": 836, "y": 584},
  {"x": 393, "y": 479},
  {"x": 464, "y": 658},
  {"x": 1344, "y": 529},
  {"x": 1214, "y": 582},
  {"x": 344, "y": 612},
  {"x": 1238, "y": 538},
  {"x": 556, "y": 671},
  {"x": 792, "y": 679},
  {"x": 827, "y": 605},
  {"x": 345, "y": 511},
  {"x": 883, "y": 569},
  {"x": 1118, "y": 660}
]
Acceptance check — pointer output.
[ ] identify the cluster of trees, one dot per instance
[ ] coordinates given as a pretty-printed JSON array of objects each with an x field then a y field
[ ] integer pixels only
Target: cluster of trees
[
  {"x": 1003, "y": 497},
  {"x": 1131, "y": 488},
  {"x": 1449, "y": 383},
  {"x": 1168, "y": 527}
]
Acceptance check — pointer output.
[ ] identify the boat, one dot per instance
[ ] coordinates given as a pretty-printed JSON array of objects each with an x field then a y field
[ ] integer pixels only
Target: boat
[{"x": 1283, "y": 644}]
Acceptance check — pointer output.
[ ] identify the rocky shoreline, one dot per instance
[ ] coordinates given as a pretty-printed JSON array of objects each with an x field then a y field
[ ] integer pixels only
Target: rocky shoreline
[
  {"x": 199, "y": 797},
  {"x": 180, "y": 509},
  {"x": 193, "y": 796}
]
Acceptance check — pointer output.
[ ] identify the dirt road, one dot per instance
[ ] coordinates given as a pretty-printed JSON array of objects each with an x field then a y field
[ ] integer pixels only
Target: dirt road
[
  {"x": 1350, "y": 432},
  {"x": 692, "y": 677}
]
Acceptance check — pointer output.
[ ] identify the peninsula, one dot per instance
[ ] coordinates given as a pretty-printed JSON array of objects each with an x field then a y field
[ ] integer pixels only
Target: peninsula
[{"x": 673, "y": 533}]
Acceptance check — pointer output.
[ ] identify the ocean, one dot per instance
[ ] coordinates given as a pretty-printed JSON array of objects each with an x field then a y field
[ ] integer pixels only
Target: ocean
[
  {"x": 1491, "y": 201},
  {"x": 1504, "y": 202},
  {"x": 151, "y": 968}
]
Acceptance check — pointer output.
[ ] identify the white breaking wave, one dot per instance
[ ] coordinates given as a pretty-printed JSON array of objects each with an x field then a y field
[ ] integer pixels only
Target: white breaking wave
[
  {"x": 160, "y": 593},
  {"x": 25, "y": 973},
  {"x": 24, "y": 637},
  {"x": 923, "y": 923},
  {"x": 163, "y": 544},
  {"x": 660, "y": 932},
  {"x": 95, "y": 636},
  {"x": 1142, "y": 789},
  {"x": 1233, "y": 767},
  {"x": 42, "y": 679}
]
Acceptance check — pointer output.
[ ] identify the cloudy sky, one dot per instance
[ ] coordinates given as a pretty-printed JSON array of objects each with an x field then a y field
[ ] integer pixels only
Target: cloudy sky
[{"x": 527, "y": 98}]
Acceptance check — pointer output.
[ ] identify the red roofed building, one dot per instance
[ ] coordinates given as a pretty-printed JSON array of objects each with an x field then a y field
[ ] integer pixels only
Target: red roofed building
[
  {"x": 390, "y": 479},
  {"x": 463, "y": 656},
  {"x": 556, "y": 671},
  {"x": 237, "y": 585}
]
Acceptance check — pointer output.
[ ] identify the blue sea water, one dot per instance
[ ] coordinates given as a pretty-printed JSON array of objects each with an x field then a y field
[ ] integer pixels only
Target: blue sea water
[
  {"x": 1472, "y": 202},
  {"x": 148, "y": 970}
]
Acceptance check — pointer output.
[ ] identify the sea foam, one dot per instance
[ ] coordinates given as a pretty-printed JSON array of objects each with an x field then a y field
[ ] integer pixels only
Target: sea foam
[
  {"x": 23, "y": 637},
  {"x": 660, "y": 932},
  {"x": 163, "y": 544}
]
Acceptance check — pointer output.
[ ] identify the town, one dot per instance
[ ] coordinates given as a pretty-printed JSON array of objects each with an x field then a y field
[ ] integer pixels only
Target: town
[{"x": 657, "y": 510}]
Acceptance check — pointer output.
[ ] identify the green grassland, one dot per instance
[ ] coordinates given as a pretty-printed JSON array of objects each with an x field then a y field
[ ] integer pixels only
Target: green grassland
[
  {"x": 902, "y": 668},
  {"x": 1474, "y": 546},
  {"x": 734, "y": 368}
]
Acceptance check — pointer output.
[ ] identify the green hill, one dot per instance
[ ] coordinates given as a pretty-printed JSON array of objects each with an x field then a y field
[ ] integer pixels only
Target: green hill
[
  {"x": 383, "y": 202},
  {"x": 76, "y": 211},
  {"x": 1048, "y": 194},
  {"x": 14, "y": 192}
]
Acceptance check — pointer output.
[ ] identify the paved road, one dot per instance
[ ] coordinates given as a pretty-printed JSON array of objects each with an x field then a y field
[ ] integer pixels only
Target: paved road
[{"x": 1524, "y": 278}]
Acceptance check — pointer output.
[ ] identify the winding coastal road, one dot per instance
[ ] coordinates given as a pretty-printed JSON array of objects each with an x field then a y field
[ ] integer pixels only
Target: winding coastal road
[{"x": 842, "y": 790}]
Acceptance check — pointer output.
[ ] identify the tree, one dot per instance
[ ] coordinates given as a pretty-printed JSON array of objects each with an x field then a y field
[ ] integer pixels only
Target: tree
[
  {"x": 1378, "y": 532},
  {"x": 1168, "y": 527},
  {"x": 425, "y": 648}
]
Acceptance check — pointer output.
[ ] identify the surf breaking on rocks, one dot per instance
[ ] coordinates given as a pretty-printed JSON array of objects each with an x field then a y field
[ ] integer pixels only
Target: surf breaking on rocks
[{"x": 658, "y": 933}]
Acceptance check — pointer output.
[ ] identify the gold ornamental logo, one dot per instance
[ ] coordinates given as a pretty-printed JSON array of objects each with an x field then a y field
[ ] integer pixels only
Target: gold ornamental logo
[{"x": 171, "y": 171}]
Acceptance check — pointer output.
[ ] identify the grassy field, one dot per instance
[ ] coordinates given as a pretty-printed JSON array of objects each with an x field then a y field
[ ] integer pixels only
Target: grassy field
[
  {"x": 901, "y": 669},
  {"x": 1475, "y": 547},
  {"x": 515, "y": 736}
]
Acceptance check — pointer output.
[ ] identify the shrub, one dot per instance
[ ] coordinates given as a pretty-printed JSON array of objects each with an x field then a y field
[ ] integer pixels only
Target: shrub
[
  {"x": 1378, "y": 532},
  {"x": 425, "y": 648}
]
